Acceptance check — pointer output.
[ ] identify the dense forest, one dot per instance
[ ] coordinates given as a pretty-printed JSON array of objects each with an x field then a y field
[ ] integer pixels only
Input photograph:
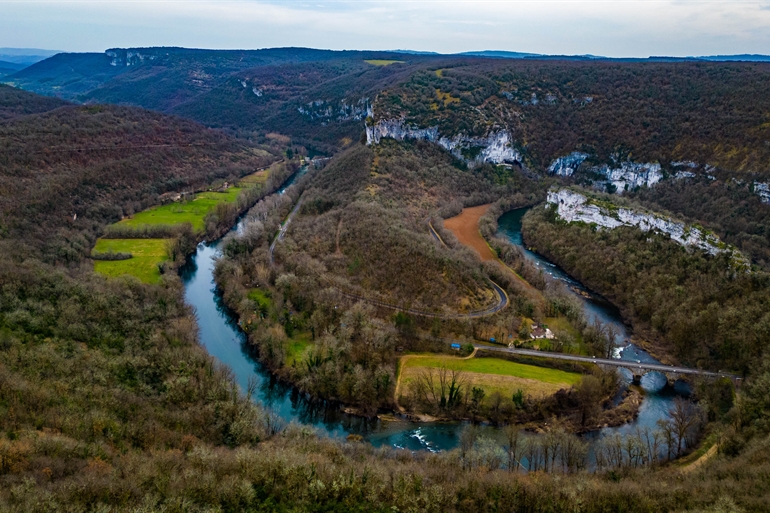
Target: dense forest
[
  {"x": 693, "y": 306},
  {"x": 726, "y": 205},
  {"x": 709, "y": 112}
]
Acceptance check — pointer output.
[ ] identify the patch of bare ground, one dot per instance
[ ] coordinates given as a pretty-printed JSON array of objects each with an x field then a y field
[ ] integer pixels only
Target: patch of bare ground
[{"x": 465, "y": 228}]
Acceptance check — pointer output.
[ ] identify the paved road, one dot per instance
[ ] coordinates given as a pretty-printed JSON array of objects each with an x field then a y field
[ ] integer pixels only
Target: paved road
[{"x": 628, "y": 364}]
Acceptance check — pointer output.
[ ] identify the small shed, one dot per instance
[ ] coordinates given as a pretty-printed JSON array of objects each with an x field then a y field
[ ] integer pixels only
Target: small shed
[{"x": 456, "y": 346}]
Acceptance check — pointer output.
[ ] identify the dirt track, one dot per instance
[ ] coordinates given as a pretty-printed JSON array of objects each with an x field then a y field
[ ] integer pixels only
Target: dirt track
[{"x": 466, "y": 228}]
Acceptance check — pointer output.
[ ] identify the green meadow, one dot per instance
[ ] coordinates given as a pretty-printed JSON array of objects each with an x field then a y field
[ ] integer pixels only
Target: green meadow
[
  {"x": 192, "y": 212},
  {"x": 493, "y": 374},
  {"x": 497, "y": 366},
  {"x": 298, "y": 347},
  {"x": 147, "y": 255},
  {"x": 381, "y": 62}
]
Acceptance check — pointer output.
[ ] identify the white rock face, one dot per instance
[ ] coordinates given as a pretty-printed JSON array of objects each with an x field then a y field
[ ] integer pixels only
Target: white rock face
[
  {"x": 763, "y": 191},
  {"x": 495, "y": 148},
  {"x": 327, "y": 110},
  {"x": 684, "y": 174},
  {"x": 566, "y": 166},
  {"x": 631, "y": 175},
  {"x": 574, "y": 207},
  {"x": 121, "y": 57}
]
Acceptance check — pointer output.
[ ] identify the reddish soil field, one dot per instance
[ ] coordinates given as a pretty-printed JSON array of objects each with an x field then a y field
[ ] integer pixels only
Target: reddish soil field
[{"x": 466, "y": 228}]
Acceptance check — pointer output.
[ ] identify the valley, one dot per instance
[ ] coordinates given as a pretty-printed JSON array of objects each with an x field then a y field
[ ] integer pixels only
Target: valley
[{"x": 426, "y": 282}]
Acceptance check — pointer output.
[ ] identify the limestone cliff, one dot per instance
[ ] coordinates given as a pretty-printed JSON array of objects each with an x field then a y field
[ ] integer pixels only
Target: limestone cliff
[
  {"x": 573, "y": 207},
  {"x": 496, "y": 147},
  {"x": 566, "y": 166},
  {"x": 627, "y": 175}
]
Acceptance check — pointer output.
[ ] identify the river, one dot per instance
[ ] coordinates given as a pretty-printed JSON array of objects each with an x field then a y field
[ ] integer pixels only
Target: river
[
  {"x": 222, "y": 338},
  {"x": 658, "y": 397}
]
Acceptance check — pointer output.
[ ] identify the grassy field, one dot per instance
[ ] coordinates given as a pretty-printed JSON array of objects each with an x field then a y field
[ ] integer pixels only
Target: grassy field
[
  {"x": 147, "y": 254},
  {"x": 381, "y": 62},
  {"x": 298, "y": 347},
  {"x": 191, "y": 212},
  {"x": 494, "y": 375},
  {"x": 261, "y": 297},
  {"x": 257, "y": 178}
]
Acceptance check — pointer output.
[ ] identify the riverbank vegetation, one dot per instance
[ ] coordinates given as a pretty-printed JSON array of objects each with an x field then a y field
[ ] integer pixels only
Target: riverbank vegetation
[
  {"x": 160, "y": 238},
  {"x": 690, "y": 304}
]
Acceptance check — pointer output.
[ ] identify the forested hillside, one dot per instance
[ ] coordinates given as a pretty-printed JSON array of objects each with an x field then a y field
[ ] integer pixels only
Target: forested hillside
[
  {"x": 246, "y": 91},
  {"x": 122, "y": 159},
  {"x": 690, "y": 304},
  {"x": 15, "y": 102},
  {"x": 714, "y": 113},
  {"x": 726, "y": 206}
]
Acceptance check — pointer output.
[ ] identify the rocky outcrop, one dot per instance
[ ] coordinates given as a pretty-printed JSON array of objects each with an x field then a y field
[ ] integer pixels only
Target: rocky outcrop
[
  {"x": 575, "y": 207},
  {"x": 121, "y": 57},
  {"x": 327, "y": 110},
  {"x": 496, "y": 147},
  {"x": 762, "y": 189},
  {"x": 618, "y": 178},
  {"x": 566, "y": 166},
  {"x": 631, "y": 175}
]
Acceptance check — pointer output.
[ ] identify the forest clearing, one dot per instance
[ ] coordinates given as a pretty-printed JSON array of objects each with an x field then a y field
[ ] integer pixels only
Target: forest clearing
[{"x": 148, "y": 253}]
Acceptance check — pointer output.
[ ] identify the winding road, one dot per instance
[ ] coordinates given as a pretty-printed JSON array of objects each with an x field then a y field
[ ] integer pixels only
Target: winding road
[{"x": 282, "y": 231}]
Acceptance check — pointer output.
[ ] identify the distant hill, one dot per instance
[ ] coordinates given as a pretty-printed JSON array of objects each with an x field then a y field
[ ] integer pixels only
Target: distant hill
[
  {"x": 317, "y": 96},
  {"x": 742, "y": 57},
  {"x": 708, "y": 112},
  {"x": 15, "y": 102},
  {"x": 502, "y": 54},
  {"x": 25, "y": 56},
  {"x": 320, "y": 98}
]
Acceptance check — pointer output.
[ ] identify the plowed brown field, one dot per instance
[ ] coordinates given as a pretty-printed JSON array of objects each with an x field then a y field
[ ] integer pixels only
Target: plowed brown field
[{"x": 466, "y": 228}]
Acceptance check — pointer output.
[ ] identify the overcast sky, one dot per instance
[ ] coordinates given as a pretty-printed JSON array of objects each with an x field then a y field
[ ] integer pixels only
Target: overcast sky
[{"x": 615, "y": 28}]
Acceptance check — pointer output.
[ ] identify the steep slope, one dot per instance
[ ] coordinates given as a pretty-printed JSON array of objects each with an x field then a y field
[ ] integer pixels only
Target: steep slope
[
  {"x": 710, "y": 113},
  {"x": 121, "y": 159}
]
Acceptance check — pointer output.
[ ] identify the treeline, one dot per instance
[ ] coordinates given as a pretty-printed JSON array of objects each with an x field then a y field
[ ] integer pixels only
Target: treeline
[{"x": 690, "y": 304}]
